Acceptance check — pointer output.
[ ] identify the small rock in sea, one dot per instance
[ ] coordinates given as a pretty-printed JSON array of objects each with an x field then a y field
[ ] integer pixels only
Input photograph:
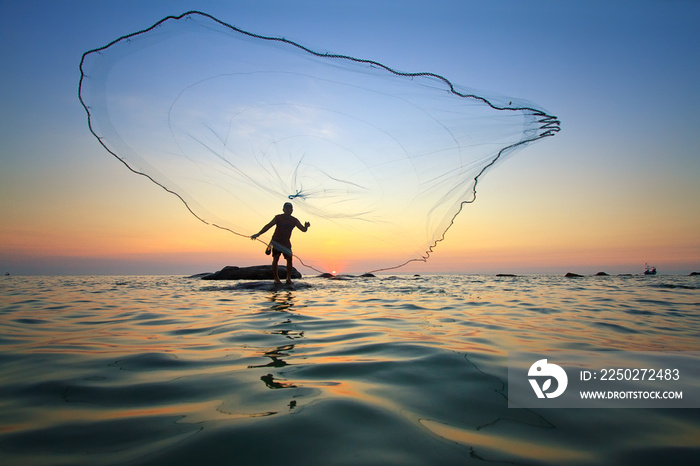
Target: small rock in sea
[
  {"x": 505, "y": 275},
  {"x": 368, "y": 275},
  {"x": 339, "y": 276},
  {"x": 692, "y": 274},
  {"x": 572, "y": 275},
  {"x": 602, "y": 274}
]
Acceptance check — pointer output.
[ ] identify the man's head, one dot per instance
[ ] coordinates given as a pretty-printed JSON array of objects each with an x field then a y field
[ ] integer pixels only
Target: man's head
[{"x": 287, "y": 208}]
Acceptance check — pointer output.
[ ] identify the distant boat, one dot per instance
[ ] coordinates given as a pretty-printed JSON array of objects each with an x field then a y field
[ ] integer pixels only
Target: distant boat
[{"x": 649, "y": 270}]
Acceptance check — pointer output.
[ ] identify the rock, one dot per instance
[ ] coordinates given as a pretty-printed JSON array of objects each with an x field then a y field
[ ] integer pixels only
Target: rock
[
  {"x": 602, "y": 274},
  {"x": 505, "y": 275},
  {"x": 344, "y": 276},
  {"x": 255, "y": 272},
  {"x": 572, "y": 275},
  {"x": 692, "y": 274}
]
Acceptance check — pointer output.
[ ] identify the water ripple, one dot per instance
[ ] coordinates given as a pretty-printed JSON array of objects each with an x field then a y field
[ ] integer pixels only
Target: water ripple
[{"x": 398, "y": 370}]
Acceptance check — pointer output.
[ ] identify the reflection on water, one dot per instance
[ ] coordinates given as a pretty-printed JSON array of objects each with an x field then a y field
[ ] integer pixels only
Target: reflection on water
[
  {"x": 270, "y": 382},
  {"x": 402, "y": 370},
  {"x": 276, "y": 356},
  {"x": 283, "y": 300}
]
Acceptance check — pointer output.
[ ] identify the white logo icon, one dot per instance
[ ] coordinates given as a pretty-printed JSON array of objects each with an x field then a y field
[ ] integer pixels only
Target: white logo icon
[{"x": 542, "y": 369}]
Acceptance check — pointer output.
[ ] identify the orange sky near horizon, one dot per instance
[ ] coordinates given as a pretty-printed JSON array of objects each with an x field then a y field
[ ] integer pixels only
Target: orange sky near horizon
[{"x": 500, "y": 233}]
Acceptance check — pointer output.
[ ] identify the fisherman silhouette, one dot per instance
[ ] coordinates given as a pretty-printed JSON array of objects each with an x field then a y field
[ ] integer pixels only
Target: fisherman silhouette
[{"x": 281, "y": 239}]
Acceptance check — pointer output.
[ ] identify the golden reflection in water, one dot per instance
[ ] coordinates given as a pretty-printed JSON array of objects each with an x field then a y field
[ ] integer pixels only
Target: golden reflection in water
[
  {"x": 313, "y": 353},
  {"x": 282, "y": 300},
  {"x": 499, "y": 447},
  {"x": 276, "y": 356}
]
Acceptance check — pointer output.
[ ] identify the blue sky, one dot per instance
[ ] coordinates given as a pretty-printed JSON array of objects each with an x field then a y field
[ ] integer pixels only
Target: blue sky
[{"x": 616, "y": 188}]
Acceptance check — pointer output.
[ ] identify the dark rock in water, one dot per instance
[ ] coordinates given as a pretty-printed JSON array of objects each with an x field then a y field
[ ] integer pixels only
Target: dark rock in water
[
  {"x": 505, "y": 275},
  {"x": 326, "y": 275},
  {"x": 572, "y": 275},
  {"x": 255, "y": 272},
  {"x": 602, "y": 274},
  {"x": 692, "y": 274},
  {"x": 368, "y": 275},
  {"x": 200, "y": 275}
]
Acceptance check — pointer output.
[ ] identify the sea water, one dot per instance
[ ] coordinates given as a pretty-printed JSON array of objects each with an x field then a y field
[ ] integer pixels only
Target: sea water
[{"x": 389, "y": 370}]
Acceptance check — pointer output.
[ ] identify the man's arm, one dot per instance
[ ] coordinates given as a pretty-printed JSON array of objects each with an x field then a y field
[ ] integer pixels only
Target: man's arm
[
  {"x": 303, "y": 227},
  {"x": 264, "y": 229}
]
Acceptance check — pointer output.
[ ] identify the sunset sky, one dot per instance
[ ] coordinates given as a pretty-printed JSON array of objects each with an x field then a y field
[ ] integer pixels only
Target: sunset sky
[{"x": 616, "y": 188}]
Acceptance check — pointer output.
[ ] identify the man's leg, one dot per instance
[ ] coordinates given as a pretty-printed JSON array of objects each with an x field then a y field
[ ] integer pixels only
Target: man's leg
[
  {"x": 275, "y": 274},
  {"x": 289, "y": 269}
]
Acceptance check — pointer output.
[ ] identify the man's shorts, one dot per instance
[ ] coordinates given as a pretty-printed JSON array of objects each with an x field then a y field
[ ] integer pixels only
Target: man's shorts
[{"x": 278, "y": 249}]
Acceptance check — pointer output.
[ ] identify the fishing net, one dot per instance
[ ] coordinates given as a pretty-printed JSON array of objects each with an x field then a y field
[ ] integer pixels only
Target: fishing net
[{"x": 234, "y": 124}]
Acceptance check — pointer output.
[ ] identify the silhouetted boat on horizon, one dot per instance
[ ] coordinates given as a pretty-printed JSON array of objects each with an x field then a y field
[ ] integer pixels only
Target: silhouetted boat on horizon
[{"x": 649, "y": 270}]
